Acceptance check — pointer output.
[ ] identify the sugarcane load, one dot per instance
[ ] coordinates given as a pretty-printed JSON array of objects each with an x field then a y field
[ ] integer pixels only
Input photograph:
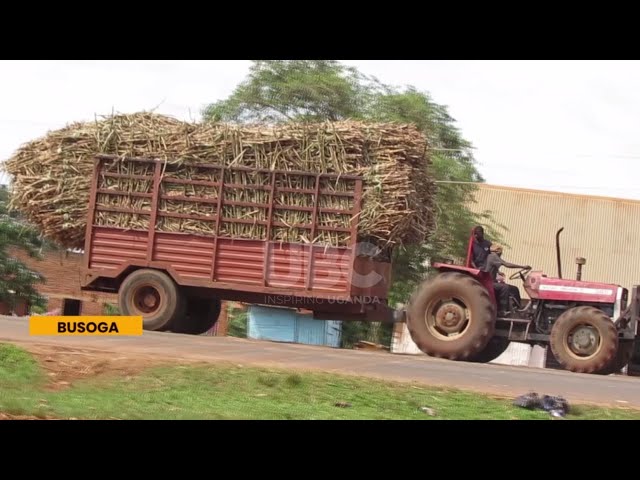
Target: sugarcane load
[{"x": 51, "y": 178}]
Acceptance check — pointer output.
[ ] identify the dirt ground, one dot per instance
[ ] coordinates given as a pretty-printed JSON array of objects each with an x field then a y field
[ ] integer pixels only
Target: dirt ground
[
  {"x": 65, "y": 365},
  {"x": 4, "y": 416}
]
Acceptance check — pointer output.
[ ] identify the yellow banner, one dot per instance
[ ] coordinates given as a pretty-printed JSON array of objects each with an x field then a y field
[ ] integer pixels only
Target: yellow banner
[{"x": 81, "y": 325}]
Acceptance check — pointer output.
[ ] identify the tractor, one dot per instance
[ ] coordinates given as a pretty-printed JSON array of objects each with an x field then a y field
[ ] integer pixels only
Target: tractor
[{"x": 589, "y": 326}]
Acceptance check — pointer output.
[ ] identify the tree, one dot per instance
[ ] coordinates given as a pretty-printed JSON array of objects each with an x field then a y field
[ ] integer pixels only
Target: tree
[
  {"x": 280, "y": 90},
  {"x": 455, "y": 171},
  {"x": 17, "y": 281},
  {"x": 317, "y": 90}
]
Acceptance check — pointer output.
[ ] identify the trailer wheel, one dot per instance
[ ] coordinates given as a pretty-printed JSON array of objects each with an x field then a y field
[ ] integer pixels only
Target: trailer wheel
[
  {"x": 584, "y": 340},
  {"x": 495, "y": 348},
  {"x": 623, "y": 357},
  {"x": 201, "y": 316},
  {"x": 451, "y": 316},
  {"x": 153, "y": 295}
]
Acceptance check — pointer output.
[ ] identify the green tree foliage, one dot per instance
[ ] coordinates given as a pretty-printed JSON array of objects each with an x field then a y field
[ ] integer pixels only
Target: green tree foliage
[
  {"x": 237, "y": 322},
  {"x": 17, "y": 281},
  {"x": 279, "y": 90},
  {"x": 317, "y": 90}
]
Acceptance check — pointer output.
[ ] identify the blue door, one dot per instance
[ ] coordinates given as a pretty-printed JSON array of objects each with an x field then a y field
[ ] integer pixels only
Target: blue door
[
  {"x": 285, "y": 325},
  {"x": 310, "y": 331},
  {"x": 275, "y": 324}
]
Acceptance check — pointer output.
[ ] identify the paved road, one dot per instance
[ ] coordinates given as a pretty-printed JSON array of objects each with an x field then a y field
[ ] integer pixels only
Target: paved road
[{"x": 496, "y": 379}]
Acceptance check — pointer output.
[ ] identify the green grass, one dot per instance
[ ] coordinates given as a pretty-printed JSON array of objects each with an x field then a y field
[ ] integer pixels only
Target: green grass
[
  {"x": 233, "y": 392},
  {"x": 18, "y": 367}
]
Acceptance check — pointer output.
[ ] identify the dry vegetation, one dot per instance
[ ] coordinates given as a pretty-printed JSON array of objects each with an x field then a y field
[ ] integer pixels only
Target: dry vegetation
[{"x": 52, "y": 174}]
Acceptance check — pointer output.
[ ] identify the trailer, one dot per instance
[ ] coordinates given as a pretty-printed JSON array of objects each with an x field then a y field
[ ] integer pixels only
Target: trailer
[{"x": 176, "y": 280}]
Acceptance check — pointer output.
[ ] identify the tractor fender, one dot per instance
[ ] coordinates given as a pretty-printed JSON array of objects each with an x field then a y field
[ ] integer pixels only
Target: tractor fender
[{"x": 483, "y": 277}]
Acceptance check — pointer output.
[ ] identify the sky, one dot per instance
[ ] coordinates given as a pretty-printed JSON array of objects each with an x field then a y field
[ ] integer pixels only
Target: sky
[{"x": 569, "y": 126}]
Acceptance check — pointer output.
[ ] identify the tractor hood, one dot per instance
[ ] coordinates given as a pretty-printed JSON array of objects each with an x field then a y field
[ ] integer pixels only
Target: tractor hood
[{"x": 540, "y": 286}]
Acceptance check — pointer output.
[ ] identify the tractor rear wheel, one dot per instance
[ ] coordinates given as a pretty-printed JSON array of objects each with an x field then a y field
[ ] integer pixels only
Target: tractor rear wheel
[
  {"x": 451, "y": 316},
  {"x": 152, "y": 295},
  {"x": 584, "y": 340}
]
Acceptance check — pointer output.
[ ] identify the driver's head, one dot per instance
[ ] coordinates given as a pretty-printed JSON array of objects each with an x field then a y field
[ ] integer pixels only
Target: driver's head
[
  {"x": 496, "y": 248},
  {"x": 478, "y": 232}
]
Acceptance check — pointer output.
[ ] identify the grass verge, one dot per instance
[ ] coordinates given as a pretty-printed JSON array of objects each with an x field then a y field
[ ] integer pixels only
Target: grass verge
[{"x": 234, "y": 392}]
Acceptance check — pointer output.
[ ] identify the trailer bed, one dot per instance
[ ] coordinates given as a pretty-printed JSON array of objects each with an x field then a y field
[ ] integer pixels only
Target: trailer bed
[{"x": 268, "y": 271}]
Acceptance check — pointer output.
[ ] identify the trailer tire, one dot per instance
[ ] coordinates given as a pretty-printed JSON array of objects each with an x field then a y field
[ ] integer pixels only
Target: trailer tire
[
  {"x": 429, "y": 326},
  {"x": 180, "y": 313},
  {"x": 153, "y": 295},
  {"x": 201, "y": 316},
  {"x": 599, "y": 341},
  {"x": 495, "y": 348},
  {"x": 626, "y": 349}
]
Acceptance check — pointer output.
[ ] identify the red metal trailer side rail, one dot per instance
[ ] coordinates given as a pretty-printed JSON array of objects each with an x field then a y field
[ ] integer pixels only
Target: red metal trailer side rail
[{"x": 311, "y": 275}]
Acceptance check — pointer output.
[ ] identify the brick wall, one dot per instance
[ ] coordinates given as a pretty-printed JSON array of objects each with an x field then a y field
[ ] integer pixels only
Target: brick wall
[
  {"x": 62, "y": 280},
  {"x": 20, "y": 308}
]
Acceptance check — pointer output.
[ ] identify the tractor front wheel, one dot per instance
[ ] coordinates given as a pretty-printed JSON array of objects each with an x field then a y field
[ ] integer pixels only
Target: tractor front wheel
[
  {"x": 451, "y": 316},
  {"x": 584, "y": 340}
]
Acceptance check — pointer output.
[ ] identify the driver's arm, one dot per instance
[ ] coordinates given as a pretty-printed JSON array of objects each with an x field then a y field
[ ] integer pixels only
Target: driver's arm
[{"x": 511, "y": 265}]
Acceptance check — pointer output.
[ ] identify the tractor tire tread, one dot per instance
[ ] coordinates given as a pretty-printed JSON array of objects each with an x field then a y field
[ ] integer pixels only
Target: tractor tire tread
[
  {"x": 607, "y": 331},
  {"x": 483, "y": 313}
]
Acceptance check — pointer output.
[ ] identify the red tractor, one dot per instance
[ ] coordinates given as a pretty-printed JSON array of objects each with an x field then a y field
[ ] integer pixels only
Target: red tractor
[{"x": 591, "y": 327}]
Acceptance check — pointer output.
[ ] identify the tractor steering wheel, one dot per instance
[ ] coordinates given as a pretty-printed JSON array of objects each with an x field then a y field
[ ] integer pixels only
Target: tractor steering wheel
[{"x": 520, "y": 273}]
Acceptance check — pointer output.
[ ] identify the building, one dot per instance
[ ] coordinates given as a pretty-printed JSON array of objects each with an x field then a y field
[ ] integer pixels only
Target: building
[{"x": 602, "y": 230}]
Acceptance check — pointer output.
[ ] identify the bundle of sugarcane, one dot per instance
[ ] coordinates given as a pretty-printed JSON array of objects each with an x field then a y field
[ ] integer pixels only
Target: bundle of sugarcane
[{"x": 51, "y": 176}]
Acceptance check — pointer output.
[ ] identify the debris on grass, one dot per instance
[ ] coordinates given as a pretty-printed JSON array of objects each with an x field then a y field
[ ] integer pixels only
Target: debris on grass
[{"x": 556, "y": 406}]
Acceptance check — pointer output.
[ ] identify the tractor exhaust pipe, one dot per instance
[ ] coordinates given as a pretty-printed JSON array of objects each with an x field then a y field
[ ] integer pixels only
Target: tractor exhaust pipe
[{"x": 558, "y": 252}]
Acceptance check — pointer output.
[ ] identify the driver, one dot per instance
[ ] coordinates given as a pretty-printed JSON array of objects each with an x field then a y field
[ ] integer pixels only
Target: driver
[
  {"x": 480, "y": 248},
  {"x": 503, "y": 290}
]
